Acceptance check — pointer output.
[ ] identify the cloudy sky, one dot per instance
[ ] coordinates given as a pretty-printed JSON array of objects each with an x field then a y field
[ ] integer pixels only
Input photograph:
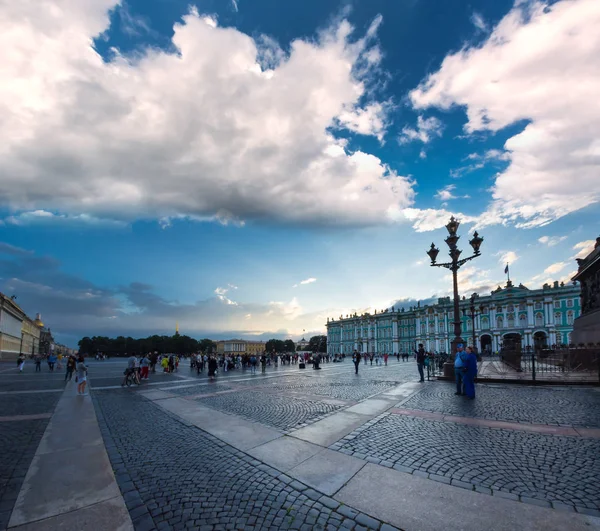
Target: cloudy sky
[{"x": 252, "y": 167}]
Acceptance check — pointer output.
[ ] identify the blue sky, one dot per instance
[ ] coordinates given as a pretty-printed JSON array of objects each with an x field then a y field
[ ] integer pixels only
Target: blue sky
[{"x": 251, "y": 168}]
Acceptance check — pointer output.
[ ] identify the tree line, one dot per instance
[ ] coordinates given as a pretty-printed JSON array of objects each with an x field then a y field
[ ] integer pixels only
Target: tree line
[
  {"x": 178, "y": 344},
  {"x": 119, "y": 346}
]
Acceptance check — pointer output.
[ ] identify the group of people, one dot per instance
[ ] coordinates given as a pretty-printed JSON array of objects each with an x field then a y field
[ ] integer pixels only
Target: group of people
[
  {"x": 53, "y": 360},
  {"x": 465, "y": 369},
  {"x": 465, "y": 366},
  {"x": 74, "y": 364}
]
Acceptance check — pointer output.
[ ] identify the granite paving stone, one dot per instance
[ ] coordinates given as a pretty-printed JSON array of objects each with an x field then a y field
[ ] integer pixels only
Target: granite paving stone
[
  {"x": 564, "y": 406},
  {"x": 186, "y": 475},
  {"x": 508, "y": 463}
]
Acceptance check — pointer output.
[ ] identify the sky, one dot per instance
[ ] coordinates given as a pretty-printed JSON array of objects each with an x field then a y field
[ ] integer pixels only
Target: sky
[{"x": 250, "y": 168}]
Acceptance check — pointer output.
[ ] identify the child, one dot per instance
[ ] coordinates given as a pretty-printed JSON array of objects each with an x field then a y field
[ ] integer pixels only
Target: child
[{"x": 81, "y": 375}]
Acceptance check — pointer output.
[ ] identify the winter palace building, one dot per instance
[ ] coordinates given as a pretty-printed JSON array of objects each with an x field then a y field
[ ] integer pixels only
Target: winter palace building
[{"x": 512, "y": 315}]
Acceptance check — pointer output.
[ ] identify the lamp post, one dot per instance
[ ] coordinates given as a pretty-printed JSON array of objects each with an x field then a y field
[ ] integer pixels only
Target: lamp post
[
  {"x": 454, "y": 266},
  {"x": 473, "y": 312}
]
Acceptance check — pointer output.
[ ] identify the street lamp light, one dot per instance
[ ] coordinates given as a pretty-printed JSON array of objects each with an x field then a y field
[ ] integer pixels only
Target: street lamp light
[{"x": 454, "y": 266}]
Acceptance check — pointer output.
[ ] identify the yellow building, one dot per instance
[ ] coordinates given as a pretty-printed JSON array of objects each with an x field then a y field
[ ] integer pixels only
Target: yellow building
[
  {"x": 30, "y": 332},
  {"x": 11, "y": 324},
  {"x": 240, "y": 347},
  {"x": 255, "y": 347}
]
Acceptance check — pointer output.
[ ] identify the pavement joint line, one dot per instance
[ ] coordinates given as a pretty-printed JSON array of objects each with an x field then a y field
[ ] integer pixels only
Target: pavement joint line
[
  {"x": 17, "y": 418},
  {"x": 566, "y": 431},
  {"x": 31, "y": 391}
]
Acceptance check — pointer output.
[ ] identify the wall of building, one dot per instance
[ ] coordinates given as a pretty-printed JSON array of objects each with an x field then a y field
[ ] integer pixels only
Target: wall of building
[
  {"x": 240, "y": 347},
  {"x": 11, "y": 319},
  {"x": 538, "y": 316}
]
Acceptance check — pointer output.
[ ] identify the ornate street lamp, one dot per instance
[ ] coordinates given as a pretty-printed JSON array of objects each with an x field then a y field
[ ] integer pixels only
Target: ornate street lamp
[{"x": 454, "y": 266}]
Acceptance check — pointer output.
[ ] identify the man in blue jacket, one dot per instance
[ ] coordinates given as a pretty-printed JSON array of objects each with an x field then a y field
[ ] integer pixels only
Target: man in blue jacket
[{"x": 460, "y": 367}]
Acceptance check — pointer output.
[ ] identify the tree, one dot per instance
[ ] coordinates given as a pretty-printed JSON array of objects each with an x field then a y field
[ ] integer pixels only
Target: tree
[
  {"x": 289, "y": 345},
  {"x": 318, "y": 344},
  {"x": 206, "y": 345},
  {"x": 276, "y": 345},
  {"x": 86, "y": 345}
]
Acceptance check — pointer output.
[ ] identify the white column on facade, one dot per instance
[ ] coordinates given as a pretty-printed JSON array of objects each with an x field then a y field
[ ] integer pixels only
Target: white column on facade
[
  {"x": 492, "y": 317},
  {"x": 530, "y": 316},
  {"x": 375, "y": 333},
  {"x": 395, "y": 345},
  {"x": 550, "y": 306}
]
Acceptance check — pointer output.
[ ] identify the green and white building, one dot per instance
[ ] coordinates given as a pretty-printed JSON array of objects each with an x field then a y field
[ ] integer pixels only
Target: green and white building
[{"x": 513, "y": 314}]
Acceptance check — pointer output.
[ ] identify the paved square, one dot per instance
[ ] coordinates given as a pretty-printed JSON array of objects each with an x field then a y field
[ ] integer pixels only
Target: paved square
[{"x": 287, "y": 449}]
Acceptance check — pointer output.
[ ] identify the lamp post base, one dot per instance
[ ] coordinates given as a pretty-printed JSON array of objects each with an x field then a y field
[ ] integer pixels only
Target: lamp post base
[{"x": 449, "y": 370}]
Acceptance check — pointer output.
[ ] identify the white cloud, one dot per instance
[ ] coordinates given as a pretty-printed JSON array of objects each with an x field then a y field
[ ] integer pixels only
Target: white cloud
[
  {"x": 584, "y": 248},
  {"x": 551, "y": 241},
  {"x": 422, "y": 154},
  {"x": 234, "y": 4},
  {"x": 222, "y": 295},
  {"x": 472, "y": 279},
  {"x": 547, "y": 276},
  {"x": 427, "y": 129},
  {"x": 35, "y": 217},
  {"x": 445, "y": 194},
  {"x": 205, "y": 133},
  {"x": 555, "y": 268},
  {"x": 540, "y": 64},
  {"x": 131, "y": 24},
  {"x": 370, "y": 120},
  {"x": 506, "y": 257},
  {"x": 304, "y": 282},
  {"x": 425, "y": 220},
  {"x": 479, "y": 22}
]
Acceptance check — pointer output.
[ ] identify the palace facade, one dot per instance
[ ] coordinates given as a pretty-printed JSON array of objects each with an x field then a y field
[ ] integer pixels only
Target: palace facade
[{"x": 512, "y": 315}]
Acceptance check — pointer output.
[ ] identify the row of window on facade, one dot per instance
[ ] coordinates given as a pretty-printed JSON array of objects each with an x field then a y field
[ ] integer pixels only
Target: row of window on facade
[
  {"x": 510, "y": 322},
  {"x": 509, "y": 309}
]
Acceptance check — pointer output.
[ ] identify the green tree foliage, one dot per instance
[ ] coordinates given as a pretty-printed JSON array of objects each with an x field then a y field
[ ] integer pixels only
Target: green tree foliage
[
  {"x": 317, "y": 344},
  {"x": 121, "y": 346},
  {"x": 207, "y": 346},
  {"x": 276, "y": 345},
  {"x": 289, "y": 345}
]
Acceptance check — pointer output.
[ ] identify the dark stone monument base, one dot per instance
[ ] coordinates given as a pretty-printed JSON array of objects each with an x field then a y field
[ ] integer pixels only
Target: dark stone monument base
[{"x": 586, "y": 328}]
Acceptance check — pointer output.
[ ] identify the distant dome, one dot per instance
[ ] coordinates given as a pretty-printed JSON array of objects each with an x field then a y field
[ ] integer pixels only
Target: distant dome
[{"x": 38, "y": 320}]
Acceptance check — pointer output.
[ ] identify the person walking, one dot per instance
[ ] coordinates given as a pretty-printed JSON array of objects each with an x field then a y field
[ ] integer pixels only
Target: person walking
[
  {"x": 81, "y": 375},
  {"x": 51, "y": 361},
  {"x": 460, "y": 368},
  {"x": 21, "y": 362},
  {"x": 71, "y": 364},
  {"x": 356, "y": 361},
  {"x": 385, "y": 358},
  {"x": 263, "y": 363},
  {"x": 212, "y": 367},
  {"x": 38, "y": 363},
  {"x": 470, "y": 374},
  {"x": 144, "y": 368},
  {"x": 420, "y": 353}
]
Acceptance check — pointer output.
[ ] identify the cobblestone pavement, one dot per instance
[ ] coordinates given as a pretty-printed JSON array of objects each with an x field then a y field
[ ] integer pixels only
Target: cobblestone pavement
[
  {"x": 199, "y": 389},
  {"x": 193, "y": 480},
  {"x": 281, "y": 412},
  {"x": 19, "y": 438},
  {"x": 18, "y": 443},
  {"x": 335, "y": 389},
  {"x": 546, "y": 470},
  {"x": 536, "y": 405}
]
